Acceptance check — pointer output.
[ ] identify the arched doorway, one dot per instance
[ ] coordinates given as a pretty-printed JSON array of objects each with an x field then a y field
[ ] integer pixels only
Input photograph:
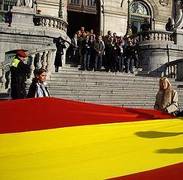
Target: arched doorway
[
  {"x": 139, "y": 12},
  {"x": 83, "y": 13}
]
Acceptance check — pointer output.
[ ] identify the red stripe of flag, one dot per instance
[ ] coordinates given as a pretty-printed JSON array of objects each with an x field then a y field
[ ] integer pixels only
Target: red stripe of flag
[
  {"x": 173, "y": 172},
  {"x": 47, "y": 113}
]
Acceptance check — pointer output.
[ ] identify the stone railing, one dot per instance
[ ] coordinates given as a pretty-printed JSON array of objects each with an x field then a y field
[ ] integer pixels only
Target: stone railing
[
  {"x": 156, "y": 36},
  {"x": 174, "y": 70},
  {"x": 2, "y": 16},
  {"x": 50, "y": 22},
  {"x": 44, "y": 21},
  {"x": 42, "y": 58}
]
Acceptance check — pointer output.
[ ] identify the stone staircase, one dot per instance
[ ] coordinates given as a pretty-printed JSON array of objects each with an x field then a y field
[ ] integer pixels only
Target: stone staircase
[{"x": 118, "y": 89}]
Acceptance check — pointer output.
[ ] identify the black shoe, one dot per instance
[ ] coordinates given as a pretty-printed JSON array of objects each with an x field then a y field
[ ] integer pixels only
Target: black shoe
[{"x": 56, "y": 69}]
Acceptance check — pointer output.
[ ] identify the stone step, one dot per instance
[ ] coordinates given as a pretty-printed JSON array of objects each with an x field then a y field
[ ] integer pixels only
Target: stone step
[
  {"x": 106, "y": 90},
  {"x": 103, "y": 91},
  {"x": 100, "y": 74},
  {"x": 93, "y": 87},
  {"x": 104, "y": 80},
  {"x": 108, "y": 80},
  {"x": 106, "y": 96},
  {"x": 119, "y": 89}
]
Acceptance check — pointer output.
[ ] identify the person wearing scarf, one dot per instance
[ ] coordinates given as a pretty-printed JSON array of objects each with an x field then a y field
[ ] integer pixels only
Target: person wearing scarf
[
  {"x": 38, "y": 86},
  {"x": 166, "y": 97}
]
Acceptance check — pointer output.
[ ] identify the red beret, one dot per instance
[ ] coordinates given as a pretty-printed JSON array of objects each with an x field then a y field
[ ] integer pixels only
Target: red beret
[{"x": 21, "y": 53}]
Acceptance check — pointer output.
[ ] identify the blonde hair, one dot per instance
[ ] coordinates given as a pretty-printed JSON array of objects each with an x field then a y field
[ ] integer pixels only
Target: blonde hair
[{"x": 164, "y": 79}]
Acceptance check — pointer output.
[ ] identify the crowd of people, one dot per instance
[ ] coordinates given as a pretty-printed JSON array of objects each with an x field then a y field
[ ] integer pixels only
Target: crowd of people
[{"x": 112, "y": 52}]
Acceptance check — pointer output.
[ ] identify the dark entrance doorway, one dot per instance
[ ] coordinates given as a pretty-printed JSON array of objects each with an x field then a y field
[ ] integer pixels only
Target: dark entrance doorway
[{"x": 78, "y": 19}]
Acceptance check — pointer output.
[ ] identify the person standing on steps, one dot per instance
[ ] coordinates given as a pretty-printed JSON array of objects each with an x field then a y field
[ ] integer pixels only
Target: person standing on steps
[
  {"x": 19, "y": 73},
  {"x": 60, "y": 45},
  {"x": 99, "y": 47}
]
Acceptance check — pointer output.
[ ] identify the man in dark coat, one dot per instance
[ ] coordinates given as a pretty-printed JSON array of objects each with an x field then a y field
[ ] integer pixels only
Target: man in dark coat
[
  {"x": 146, "y": 27},
  {"x": 60, "y": 44},
  {"x": 19, "y": 73}
]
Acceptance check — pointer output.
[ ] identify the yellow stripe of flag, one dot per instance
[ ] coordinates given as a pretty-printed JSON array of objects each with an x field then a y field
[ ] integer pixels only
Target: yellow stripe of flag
[{"x": 92, "y": 152}]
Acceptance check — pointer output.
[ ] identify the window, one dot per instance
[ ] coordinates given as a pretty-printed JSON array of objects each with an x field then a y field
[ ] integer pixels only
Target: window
[
  {"x": 74, "y": 1},
  {"x": 7, "y": 4},
  {"x": 139, "y": 11},
  {"x": 138, "y": 8},
  {"x": 90, "y": 2}
]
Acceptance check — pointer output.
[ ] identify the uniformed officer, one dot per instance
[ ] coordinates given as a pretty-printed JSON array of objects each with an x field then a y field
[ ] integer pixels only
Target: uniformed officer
[{"x": 19, "y": 72}]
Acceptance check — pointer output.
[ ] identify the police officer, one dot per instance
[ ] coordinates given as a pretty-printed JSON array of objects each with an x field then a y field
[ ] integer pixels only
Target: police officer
[{"x": 19, "y": 72}]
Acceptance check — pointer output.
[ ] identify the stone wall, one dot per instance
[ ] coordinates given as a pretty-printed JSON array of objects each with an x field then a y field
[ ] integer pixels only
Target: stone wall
[
  {"x": 154, "y": 57},
  {"x": 161, "y": 49},
  {"x": 116, "y": 14},
  {"x": 164, "y": 12},
  {"x": 51, "y": 8}
]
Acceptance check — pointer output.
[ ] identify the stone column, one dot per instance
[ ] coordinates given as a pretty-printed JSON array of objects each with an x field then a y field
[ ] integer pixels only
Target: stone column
[
  {"x": 1, "y": 76},
  {"x": 52, "y": 60},
  {"x": 32, "y": 67},
  {"x": 49, "y": 57},
  {"x": 49, "y": 62},
  {"x": 44, "y": 59},
  {"x": 2, "y": 72},
  {"x": 64, "y": 57},
  {"x": 102, "y": 18},
  {"x": 39, "y": 60}
]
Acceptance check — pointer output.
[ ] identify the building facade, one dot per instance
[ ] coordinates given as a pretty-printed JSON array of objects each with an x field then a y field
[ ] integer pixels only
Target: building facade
[
  {"x": 115, "y": 15},
  {"x": 104, "y": 15}
]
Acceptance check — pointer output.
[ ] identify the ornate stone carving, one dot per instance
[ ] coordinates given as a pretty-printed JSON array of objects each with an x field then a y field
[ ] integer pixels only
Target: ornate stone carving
[
  {"x": 27, "y": 3},
  {"x": 179, "y": 14},
  {"x": 164, "y": 2}
]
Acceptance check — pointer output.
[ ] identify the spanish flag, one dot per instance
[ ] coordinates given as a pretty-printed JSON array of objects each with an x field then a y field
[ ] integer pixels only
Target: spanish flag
[{"x": 57, "y": 139}]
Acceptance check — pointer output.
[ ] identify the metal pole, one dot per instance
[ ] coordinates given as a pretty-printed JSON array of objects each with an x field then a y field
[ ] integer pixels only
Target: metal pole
[
  {"x": 60, "y": 15},
  {"x": 168, "y": 55},
  {"x": 128, "y": 22},
  {"x": 102, "y": 7},
  {"x": 128, "y": 18}
]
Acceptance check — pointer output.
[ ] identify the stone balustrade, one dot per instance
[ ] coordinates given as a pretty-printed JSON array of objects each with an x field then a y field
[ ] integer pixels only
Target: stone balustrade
[
  {"x": 174, "y": 70},
  {"x": 50, "y": 22},
  {"x": 42, "y": 58},
  {"x": 44, "y": 21},
  {"x": 165, "y": 36}
]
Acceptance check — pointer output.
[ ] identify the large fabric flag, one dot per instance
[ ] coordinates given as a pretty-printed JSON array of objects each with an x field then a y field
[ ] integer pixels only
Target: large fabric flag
[{"x": 56, "y": 139}]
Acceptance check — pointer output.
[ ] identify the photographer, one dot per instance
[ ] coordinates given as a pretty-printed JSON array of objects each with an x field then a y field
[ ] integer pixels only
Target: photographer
[{"x": 60, "y": 44}]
